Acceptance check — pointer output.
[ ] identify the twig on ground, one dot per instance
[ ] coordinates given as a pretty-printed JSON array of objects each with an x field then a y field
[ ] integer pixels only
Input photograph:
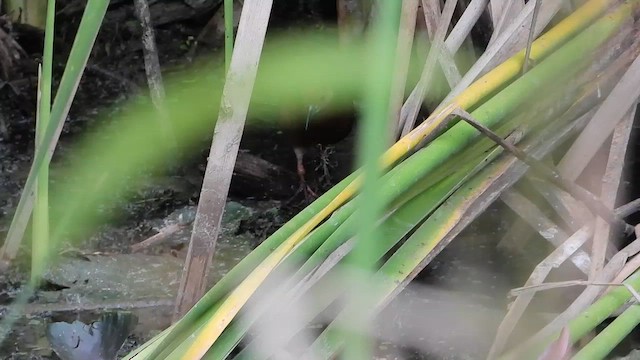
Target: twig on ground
[{"x": 157, "y": 238}]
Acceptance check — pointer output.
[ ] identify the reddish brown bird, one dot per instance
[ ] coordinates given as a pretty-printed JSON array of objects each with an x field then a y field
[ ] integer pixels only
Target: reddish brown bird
[{"x": 325, "y": 123}]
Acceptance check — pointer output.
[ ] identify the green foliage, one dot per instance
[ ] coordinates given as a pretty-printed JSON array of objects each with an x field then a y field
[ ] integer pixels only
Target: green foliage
[{"x": 40, "y": 247}]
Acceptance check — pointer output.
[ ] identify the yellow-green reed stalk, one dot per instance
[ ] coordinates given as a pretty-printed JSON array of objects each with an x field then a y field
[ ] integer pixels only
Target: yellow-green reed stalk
[{"x": 40, "y": 243}]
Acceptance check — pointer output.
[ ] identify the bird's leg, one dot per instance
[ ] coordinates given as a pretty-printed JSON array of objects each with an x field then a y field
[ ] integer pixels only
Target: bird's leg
[{"x": 301, "y": 173}]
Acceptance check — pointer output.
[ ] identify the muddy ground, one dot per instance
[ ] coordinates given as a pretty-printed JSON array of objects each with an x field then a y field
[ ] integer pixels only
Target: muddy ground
[{"x": 90, "y": 278}]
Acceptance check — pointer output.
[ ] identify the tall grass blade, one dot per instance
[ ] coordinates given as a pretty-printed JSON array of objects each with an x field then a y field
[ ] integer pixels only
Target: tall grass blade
[
  {"x": 83, "y": 43},
  {"x": 40, "y": 243},
  {"x": 371, "y": 146}
]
